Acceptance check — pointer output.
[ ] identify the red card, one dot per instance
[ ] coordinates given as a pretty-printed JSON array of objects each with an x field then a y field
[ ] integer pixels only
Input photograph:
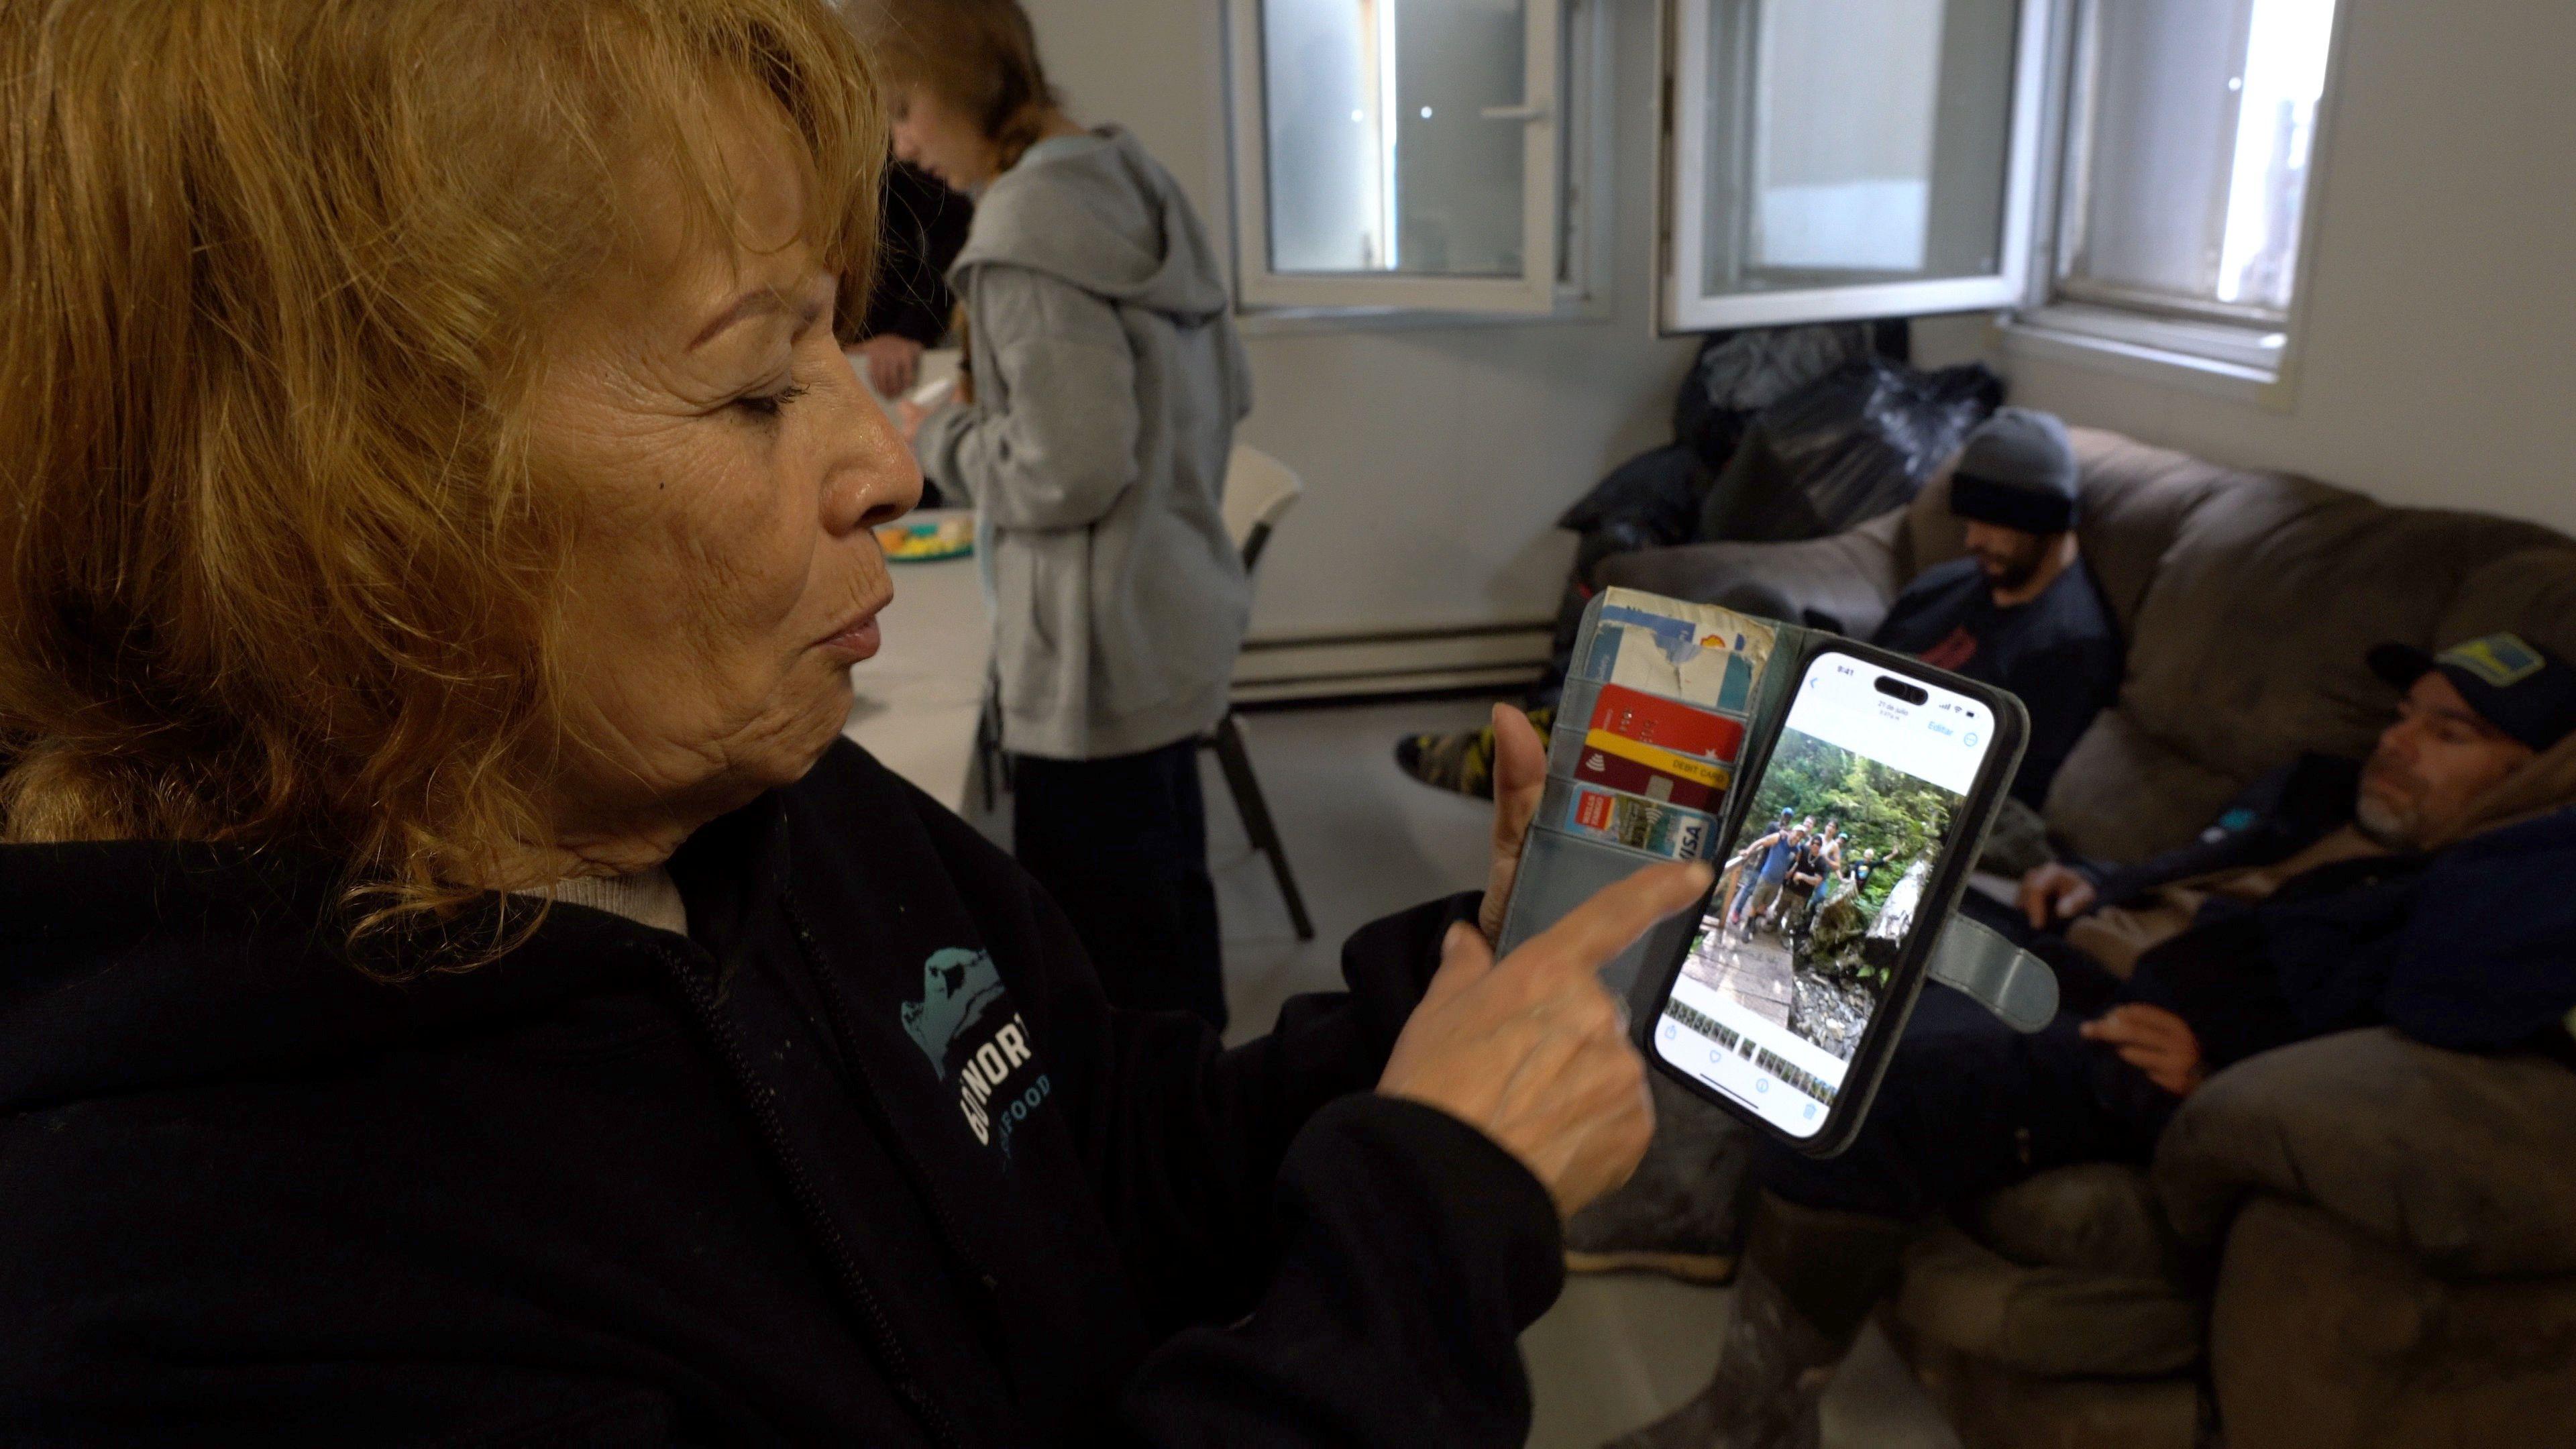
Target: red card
[
  {"x": 1666, "y": 723},
  {"x": 1621, "y": 772}
]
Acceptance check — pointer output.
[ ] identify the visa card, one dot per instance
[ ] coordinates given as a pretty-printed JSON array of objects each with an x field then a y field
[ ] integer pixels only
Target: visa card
[
  {"x": 1637, "y": 769},
  {"x": 1666, "y": 723},
  {"x": 1641, "y": 824}
]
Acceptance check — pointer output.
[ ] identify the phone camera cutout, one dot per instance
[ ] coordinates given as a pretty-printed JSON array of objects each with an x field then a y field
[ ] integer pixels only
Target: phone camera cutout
[{"x": 1890, "y": 685}]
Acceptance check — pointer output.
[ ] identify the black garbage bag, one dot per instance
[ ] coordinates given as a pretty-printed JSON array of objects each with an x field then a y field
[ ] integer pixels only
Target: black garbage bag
[
  {"x": 1653, "y": 500},
  {"x": 1738, "y": 374},
  {"x": 1845, "y": 448},
  {"x": 1658, "y": 498}
]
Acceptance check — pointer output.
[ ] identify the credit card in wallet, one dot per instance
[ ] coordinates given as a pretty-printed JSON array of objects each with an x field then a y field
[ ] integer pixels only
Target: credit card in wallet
[
  {"x": 1640, "y": 824},
  {"x": 1667, "y": 723},
  {"x": 1624, "y": 764},
  {"x": 1687, "y": 659}
]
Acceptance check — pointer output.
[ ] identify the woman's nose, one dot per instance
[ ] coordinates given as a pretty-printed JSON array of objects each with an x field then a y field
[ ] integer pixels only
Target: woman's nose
[{"x": 880, "y": 481}]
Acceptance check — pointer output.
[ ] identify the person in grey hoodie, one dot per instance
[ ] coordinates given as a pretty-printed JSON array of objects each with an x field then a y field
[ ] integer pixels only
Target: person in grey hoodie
[{"x": 1106, "y": 378}]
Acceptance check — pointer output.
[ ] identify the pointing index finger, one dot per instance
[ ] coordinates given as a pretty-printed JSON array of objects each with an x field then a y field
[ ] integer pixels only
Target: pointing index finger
[{"x": 1615, "y": 917}]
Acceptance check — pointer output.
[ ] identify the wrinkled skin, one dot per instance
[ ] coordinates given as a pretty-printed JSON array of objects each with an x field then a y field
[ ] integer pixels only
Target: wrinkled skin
[{"x": 726, "y": 468}]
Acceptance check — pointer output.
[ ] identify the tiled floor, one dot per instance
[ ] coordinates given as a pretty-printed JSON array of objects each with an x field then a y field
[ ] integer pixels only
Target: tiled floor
[{"x": 1616, "y": 1352}]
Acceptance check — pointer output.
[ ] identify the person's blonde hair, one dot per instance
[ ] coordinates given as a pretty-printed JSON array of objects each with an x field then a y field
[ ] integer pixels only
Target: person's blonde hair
[
  {"x": 275, "y": 275},
  {"x": 980, "y": 56}
]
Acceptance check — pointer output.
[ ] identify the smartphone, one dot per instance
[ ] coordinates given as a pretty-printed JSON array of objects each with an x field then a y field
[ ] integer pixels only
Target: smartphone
[{"x": 1869, "y": 804}]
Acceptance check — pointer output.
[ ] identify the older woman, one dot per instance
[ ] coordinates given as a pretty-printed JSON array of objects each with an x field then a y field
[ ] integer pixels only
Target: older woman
[{"x": 460, "y": 989}]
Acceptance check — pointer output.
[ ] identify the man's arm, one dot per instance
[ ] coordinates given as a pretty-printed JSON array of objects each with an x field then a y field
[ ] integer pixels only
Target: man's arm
[
  {"x": 2063, "y": 688},
  {"x": 2280, "y": 814}
]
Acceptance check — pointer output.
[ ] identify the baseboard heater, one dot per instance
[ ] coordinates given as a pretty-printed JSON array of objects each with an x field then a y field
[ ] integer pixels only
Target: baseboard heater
[{"x": 1284, "y": 668}]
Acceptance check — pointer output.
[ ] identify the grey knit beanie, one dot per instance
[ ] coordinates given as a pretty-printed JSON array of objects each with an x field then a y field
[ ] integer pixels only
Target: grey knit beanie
[{"x": 2017, "y": 471}]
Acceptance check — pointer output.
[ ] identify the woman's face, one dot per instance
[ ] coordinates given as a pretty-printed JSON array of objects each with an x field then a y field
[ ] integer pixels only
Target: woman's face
[
  {"x": 727, "y": 470},
  {"x": 942, "y": 140}
]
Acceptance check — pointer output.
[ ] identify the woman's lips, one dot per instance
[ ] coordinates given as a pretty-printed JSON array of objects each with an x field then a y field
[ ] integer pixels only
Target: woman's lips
[{"x": 857, "y": 639}]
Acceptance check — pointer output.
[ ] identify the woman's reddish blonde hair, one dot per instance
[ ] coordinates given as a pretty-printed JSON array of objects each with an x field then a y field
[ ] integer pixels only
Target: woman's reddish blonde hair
[{"x": 275, "y": 275}]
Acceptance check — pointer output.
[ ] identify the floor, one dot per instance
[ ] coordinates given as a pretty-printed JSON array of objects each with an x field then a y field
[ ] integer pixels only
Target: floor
[{"x": 1615, "y": 1352}]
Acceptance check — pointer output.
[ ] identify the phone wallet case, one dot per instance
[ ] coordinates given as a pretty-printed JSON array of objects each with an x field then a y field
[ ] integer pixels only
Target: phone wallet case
[{"x": 1664, "y": 705}]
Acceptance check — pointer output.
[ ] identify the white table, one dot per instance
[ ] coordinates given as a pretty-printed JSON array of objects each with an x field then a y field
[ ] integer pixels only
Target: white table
[{"x": 919, "y": 700}]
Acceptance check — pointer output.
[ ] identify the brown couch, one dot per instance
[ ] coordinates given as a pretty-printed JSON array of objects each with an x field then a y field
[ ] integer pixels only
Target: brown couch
[{"x": 2354, "y": 1241}]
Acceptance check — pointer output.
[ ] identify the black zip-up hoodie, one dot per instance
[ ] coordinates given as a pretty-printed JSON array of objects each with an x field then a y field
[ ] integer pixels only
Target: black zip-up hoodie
[{"x": 866, "y": 1159}]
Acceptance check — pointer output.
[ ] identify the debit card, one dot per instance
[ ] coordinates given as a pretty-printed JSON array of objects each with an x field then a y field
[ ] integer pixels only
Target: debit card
[{"x": 1625, "y": 765}]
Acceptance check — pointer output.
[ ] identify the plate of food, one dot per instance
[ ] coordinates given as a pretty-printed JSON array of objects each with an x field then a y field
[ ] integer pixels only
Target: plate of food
[{"x": 921, "y": 540}]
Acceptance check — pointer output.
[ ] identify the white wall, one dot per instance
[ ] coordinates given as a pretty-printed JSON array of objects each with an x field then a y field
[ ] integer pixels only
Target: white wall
[
  {"x": 1434, "y": 458},
  {"x": 2437, "y": 359}
]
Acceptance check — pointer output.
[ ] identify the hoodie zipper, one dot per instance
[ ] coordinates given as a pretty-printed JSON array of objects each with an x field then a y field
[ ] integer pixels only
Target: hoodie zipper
[
  {"x": 761, "y": 1099},
  {"x": 836, "y": 1002}
]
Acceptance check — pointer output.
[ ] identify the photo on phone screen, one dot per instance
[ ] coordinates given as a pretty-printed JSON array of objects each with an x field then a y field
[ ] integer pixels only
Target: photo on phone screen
[{"x": 1819, "y": 889}]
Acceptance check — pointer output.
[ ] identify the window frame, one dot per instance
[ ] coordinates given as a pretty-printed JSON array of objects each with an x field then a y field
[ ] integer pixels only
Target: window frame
[
  {"x": 1682, "y": 208},
  {"x": 2249, "y": 354},
  {"x": 1565, "y": 198}
]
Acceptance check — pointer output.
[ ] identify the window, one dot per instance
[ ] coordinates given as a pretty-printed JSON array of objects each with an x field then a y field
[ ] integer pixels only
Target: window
[
  {"x": 1836, "y": 159},
  {"x": 1417, "y": 154},
  {"x": 2191, "y": 134}
]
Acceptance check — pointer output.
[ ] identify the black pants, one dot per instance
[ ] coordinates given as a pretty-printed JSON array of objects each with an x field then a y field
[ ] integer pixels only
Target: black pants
[
  {"x": 1970, "y": 1105},
  {"x": 1121, "y": 843}
]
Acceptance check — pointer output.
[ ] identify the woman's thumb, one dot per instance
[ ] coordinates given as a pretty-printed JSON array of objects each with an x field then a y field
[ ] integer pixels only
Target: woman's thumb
[{"x": 1464, "y": 960}]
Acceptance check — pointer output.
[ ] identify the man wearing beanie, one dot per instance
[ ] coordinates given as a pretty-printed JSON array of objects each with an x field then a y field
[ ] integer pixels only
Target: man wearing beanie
[{"x": 2020, "y": 611}]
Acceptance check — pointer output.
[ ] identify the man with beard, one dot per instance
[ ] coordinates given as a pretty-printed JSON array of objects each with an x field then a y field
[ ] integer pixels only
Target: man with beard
[
  {"x": 2436, "y": 905},
  {"x": 2020, "y": 611}
]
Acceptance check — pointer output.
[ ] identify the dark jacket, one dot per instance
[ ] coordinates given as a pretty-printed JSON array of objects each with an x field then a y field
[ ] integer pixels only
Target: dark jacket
[
  {"x": 2471, "y": 948},
  {"x": 866, "y": 1159},
  {"x": 2279, "y": 815}
]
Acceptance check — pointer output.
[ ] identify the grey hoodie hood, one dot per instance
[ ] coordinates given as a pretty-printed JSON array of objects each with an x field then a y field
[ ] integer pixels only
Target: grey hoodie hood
[{"x": 1096, "y": 211}]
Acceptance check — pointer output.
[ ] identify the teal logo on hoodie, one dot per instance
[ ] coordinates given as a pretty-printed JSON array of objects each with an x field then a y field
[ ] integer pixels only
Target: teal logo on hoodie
[
  {"x": 957, "y": 988},
  {"x": 965, "y": 1025}
]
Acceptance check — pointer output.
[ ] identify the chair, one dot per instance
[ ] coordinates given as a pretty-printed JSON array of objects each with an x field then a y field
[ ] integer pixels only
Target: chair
[{"x": 1259, "y": 491}]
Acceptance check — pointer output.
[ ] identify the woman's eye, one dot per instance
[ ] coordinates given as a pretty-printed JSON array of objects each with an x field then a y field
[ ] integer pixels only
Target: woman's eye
[{"x": 769, "y": 405}]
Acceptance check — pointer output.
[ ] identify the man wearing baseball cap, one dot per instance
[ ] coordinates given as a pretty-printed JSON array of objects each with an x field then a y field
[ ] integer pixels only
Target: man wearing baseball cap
[{"x": 2437, "y": 903}]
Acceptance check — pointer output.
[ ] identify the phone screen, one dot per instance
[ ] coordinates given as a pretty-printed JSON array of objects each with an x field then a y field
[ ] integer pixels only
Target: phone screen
[{"x": 1800, "y": 944}]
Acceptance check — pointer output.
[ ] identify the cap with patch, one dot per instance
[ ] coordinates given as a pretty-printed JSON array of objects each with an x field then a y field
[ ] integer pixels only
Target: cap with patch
[
  {"x": 2017, "y": 471},
  {"x": 2514, "y": 684}
]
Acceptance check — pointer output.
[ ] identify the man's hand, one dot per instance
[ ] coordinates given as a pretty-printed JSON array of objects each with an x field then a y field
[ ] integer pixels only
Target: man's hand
[
  {"x": 2153, "y": 1040},
  {"x": 1533, "y": 1052},
  {"x": 2053, "y": 893},
  {"x": 1520, "y": 777},
  {"x": 892, "y": 362}
]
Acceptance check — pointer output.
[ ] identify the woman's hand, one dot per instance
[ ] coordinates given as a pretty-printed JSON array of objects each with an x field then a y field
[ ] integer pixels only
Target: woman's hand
[
  {"x": 1520, "y": 777},
  {"x": 2054, "y": 892},
  {"x": 908, "y": 416},
  {"x": 893, "y": 363},
  {"x": 2153, "y": 1040},
  {"x": 1533, "y": 1051}
]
